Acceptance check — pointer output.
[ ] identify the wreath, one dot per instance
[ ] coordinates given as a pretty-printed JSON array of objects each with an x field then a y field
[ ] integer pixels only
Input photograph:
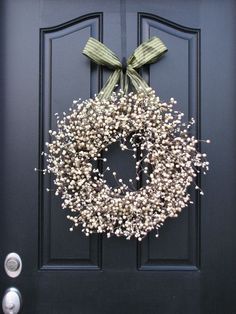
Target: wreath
[{"x": 168, "y": 157}]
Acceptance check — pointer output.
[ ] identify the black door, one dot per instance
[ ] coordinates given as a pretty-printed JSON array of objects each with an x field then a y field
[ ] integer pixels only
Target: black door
[{"x": 189, "y": 269}]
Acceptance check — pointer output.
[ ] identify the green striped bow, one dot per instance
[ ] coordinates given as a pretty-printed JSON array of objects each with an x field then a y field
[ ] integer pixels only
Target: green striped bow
[{"x": 148, "y": 52}]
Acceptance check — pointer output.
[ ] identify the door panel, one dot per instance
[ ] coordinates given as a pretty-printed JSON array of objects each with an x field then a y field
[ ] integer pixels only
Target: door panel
[
  {"x": 190, "y": 267},
  {"x": 178, "y": 245},
  {"x": 65, "y": 75}
]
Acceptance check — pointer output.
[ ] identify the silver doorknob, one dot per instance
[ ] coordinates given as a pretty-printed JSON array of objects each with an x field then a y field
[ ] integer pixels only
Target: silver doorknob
[
  {"x": 13, "y": 265},
  {"x": 11, "y": 302}
]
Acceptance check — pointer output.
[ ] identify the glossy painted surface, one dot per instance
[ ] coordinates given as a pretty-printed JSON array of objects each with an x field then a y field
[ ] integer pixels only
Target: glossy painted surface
[{"x": 190, "y": 267}]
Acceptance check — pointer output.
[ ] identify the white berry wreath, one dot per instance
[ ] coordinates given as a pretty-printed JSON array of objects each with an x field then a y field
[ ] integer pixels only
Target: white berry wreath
[{"x": 168, "y": 159}]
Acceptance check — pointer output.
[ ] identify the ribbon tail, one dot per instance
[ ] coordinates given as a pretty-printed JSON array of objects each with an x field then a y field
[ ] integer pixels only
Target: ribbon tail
[
  {"x": 137, "y": 81},
  {"x": 110, "y": 85},
  {"x": 124, "y": 84}
]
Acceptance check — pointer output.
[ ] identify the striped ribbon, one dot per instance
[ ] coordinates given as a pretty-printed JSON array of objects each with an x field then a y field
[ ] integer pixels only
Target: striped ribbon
[{"x": 148, "y": 52}]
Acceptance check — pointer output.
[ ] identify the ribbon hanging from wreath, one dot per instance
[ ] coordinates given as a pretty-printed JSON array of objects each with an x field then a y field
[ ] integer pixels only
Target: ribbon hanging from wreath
[
  {"x": 169, "y": 159},
  {"x": 147, "y": 53}
]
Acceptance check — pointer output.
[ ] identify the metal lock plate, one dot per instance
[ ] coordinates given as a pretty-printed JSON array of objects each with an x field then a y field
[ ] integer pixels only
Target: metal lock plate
[
  {"x": 12, "y": 301},
  {"x": 13, "y": 265}
]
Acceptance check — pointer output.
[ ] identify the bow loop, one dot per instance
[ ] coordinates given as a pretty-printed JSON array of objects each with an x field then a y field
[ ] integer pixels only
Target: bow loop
[
  {"x": 147, "y": 53},
  {"x": 101, "y": 54}
]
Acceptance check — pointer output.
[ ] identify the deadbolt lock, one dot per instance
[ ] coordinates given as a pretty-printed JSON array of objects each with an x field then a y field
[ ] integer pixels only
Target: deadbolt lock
[{"x": 13, "y": 265}]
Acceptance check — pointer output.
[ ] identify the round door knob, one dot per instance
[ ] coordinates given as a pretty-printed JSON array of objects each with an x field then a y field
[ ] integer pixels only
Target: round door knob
[
  {"x": 11, "y": 302},
  {"x": 13, "y": 265}
]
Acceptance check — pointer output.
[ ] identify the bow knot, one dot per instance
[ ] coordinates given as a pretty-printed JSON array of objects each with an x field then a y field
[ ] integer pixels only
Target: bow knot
[
  {"x": 124, "y": 65},
  {"x": 148, "y": 52}
]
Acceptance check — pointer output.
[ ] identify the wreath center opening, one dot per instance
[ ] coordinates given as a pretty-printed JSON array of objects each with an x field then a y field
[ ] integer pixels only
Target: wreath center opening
[{"x": 123, "y": 165}]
